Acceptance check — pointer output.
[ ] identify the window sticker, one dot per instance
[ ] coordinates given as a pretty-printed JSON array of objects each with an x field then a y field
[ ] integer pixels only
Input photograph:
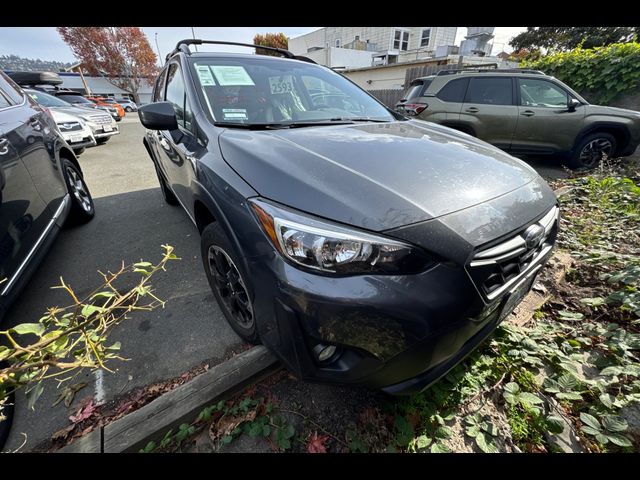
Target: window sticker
[
  {"x": 205, "y": 76},
  {"x": 231, "y": 75},
  {"x": 281, "y": 84},
  {"x": 234, "y": 114}
]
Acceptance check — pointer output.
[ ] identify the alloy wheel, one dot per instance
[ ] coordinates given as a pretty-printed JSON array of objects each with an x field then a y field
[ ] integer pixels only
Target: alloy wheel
[
  {"x": 596, "y": 150},
  {"x": 79, "y": 189},
  {"x": 230, "y": 286}
]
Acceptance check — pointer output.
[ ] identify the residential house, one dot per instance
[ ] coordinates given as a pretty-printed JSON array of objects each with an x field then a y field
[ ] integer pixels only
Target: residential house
[{"x": 367, "y": 46}]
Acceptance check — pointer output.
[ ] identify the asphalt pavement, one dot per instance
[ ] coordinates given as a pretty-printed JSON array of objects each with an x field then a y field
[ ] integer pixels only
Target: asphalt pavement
[{"x": 132, "y": 222}]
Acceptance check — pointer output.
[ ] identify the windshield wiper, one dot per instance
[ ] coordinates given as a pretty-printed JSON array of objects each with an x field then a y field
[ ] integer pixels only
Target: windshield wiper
[
  {"x": 361, "y": 119},
  {"x": 300, "y": 124},
  {"x": 275, "y": 126}
]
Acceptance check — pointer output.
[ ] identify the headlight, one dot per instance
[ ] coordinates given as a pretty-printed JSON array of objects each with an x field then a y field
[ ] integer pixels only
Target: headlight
[
  {"x": 67, "y": 125},
  {"x": 332, "y": 248}
]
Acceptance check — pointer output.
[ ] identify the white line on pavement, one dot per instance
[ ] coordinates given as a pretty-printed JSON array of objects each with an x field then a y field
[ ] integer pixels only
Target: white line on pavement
[{"x": 99, "y": 387}]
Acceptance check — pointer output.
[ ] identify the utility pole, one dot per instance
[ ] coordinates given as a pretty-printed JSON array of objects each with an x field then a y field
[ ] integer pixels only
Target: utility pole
[
  {"x": 193, "y": 35},
  {"x": 159, "y": 54}
]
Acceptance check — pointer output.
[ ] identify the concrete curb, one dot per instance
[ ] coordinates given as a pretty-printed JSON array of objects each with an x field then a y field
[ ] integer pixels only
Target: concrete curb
[{"x": 181, "y": 405}]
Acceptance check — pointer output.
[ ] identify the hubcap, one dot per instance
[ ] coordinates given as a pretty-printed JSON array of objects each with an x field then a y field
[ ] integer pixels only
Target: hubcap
[
  {"x": 230, "y": 286},
  {"x": 79, "y": 189},
  {"x": 595, "y": 151}
]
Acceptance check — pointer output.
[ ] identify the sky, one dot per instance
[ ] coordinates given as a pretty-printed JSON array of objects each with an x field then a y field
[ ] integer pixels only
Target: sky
[{"x": 45, "y": 42}]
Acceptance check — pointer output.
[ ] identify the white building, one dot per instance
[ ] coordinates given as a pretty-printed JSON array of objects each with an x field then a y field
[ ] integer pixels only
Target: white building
[
  {"x": 378, "y": 45},
  {"x": 477, "y": 41}
]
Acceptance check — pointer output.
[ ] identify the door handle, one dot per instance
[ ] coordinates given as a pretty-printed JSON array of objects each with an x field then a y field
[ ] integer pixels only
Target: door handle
[
  {"x": 471, "y": 110},
  {"x": 4, "y": 146},
  {"x": 528, "y": 113}
]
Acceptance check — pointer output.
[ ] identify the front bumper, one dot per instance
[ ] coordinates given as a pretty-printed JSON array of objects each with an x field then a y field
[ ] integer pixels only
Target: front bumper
[
  {"x": 98, "y": 130},
  {"x": 396, "y": 333},
  {"x": 80, "y": 139}
]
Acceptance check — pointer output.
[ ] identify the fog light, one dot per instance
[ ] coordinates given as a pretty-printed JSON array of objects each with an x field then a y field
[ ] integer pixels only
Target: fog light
[{"x": 324, "y": 352}]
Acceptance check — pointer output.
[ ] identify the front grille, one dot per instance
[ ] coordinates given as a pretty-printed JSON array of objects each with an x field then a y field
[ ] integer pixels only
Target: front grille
[
  {"x": 497, "y": 267},
  {"x": 101, "y": 119}
]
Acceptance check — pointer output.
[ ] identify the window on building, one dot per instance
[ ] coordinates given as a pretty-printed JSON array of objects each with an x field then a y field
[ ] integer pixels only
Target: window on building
[
  {"x": 401, "y": 40},
  {"x": 491, "y": 91},
  {"x": 426, "y": 37},
  {"x": 338, "y": 43}
]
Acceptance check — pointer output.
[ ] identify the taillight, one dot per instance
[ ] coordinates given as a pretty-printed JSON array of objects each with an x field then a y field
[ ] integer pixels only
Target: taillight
[{"x": 415, "y": 108}]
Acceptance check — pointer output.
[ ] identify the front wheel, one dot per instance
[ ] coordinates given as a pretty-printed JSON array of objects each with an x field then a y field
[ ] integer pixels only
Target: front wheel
[
  {"x": 129, "y": 109},
  {"x": 228, "y": 282},
  {"x": 591, "y": 150},
  {"x": 102, "y": 141},
  {"x": 82, "y": 208}
]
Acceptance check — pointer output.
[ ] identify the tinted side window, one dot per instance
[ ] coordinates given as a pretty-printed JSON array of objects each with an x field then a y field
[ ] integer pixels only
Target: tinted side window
[
  {"x": 177, "y": 96},
  {"x": 158, "y": 91},
  {"x": 11, "y": 90},
  {"x": 491, "y": 91},
  {"x": 454, "y": 91}
]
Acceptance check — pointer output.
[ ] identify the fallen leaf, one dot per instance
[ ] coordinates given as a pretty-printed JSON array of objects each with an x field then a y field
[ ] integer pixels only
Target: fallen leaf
[
  {"x": 68, "y": 393},
  {"x": 316, "y": 443},
  {"x": 84, "y": 412},
  {"x": 227, "y": 424}
]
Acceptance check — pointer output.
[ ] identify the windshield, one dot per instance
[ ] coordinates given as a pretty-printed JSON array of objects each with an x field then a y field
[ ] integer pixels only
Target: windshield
[
  {"x": 74, "y": 99},
  {"x": 264, "y": 90},
  {"x": 47, "y": 100}
]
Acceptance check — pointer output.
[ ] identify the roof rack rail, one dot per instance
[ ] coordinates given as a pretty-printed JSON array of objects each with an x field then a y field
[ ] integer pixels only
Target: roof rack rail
[
  {"x": 183, "y": 46},
  {"x": 494, "y": 69}
]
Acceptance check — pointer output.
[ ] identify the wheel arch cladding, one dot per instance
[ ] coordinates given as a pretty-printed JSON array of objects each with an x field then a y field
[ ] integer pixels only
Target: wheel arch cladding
[
  {"x": 619, "y": 132},
  {"x": 68, "y": 154},
  {"x": 203, "y": 215}
]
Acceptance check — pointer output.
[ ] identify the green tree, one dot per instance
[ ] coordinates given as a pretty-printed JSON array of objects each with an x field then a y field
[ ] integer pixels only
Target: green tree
[
  {"x": 277, "y": 40},
  {"x": 568, "y": 38}
]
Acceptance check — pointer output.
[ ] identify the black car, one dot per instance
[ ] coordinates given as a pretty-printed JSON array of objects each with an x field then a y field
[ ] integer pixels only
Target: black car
[
  {"x": 357, "y": 244},
  {"x": 41, "y": 187}
]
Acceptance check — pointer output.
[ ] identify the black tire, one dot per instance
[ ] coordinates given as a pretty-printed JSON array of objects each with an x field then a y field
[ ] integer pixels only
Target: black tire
[
  {"x": 128, "y": 109},
  {"x": 591, "y": 150},
  {"x": 230, "y": 285},
  {"x": 168, "y": 195},
  {"x": 82, "y": 207},
  {"x": 79, "y": 151},
  {"x": 102, "y": 141}
]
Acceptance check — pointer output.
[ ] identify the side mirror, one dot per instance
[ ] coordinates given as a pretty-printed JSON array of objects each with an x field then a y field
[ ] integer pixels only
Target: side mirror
[
  {"x": 158, "y": 116},
  {"x": 572, "y": 104}
]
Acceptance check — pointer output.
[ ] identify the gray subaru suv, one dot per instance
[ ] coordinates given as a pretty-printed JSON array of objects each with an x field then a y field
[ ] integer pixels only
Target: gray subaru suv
[
  {"x": 358, "y": 245},
  {"x": 524, "y": 112}
]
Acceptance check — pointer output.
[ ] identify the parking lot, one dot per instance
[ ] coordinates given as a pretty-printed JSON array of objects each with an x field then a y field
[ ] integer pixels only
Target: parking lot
[{"x": 132, "y": 222}]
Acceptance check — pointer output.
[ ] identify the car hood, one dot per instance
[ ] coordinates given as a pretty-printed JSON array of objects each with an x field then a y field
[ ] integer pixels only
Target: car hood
[
  {"x": 81, "y": 112},
  {"x": 612, "y": 111},
  {"x": 61, "y": 117},
  {"x": 373, "y": 175}
]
